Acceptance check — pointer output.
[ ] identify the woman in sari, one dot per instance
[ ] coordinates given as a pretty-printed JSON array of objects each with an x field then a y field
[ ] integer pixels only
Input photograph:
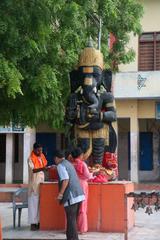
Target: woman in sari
[{"x": 84, "y": 175}]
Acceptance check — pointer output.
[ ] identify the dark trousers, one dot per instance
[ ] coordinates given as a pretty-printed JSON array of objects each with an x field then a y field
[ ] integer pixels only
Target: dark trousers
[{"x": 71, "y": 214}]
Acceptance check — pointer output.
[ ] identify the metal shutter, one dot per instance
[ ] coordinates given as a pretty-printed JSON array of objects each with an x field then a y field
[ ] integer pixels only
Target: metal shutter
[{"x": 158, "y": 55}]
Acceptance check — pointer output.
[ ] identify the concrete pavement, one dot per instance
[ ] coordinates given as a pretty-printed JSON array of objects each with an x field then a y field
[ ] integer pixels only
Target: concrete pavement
[{"x": 146, "y": 228}]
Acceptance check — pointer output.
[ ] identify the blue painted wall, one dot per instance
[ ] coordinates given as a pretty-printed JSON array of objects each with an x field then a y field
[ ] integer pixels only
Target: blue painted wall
[{"x": 145, "y": 151}]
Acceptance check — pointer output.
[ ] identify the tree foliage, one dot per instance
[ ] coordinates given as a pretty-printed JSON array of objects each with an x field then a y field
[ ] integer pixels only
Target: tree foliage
[{"x": 40, "y": 41}]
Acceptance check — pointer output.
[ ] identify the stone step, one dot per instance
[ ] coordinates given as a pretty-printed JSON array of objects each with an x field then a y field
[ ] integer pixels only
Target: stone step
[
  {"x": 50, "y": 235},
  {"x": 147, "y": 186},
  {"x": 35, "y": 238}
]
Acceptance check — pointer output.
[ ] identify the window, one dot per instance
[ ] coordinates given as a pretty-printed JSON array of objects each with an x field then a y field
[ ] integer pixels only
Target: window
[{"x": 149, "y": 51}]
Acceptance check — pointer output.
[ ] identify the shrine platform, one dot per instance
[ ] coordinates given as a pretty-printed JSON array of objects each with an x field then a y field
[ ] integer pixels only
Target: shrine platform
[{"x": 109, "y": 210}]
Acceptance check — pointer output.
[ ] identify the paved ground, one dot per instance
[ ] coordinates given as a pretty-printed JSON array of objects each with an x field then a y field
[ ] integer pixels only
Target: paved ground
[{"x": 146, "y": 228}]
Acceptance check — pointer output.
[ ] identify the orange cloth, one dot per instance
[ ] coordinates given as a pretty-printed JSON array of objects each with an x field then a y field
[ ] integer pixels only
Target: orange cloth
[
  {"x": 36, "y": 162},
  {"x": 0, "y": 230}
]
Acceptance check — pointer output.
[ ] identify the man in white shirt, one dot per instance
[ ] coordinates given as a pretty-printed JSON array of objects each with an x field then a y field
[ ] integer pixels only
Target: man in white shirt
[
  {"x": 36, "y": 164},
  {"x": 70, "y": 193}
]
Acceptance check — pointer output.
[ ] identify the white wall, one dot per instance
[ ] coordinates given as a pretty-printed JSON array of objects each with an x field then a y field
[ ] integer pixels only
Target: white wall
[
  {"x": 150, "y": 23},
  {"x": 137, "y": 85}
]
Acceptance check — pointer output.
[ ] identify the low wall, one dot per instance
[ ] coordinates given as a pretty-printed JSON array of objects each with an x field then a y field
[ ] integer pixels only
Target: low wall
[
  {"x": 7, "y": 190},
  {"x": 108, "y": 208}
]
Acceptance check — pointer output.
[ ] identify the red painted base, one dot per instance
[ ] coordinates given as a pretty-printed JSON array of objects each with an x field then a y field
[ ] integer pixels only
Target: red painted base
[
  {"x": 108, "y": 208},
  {"x": 0, "y": 230}
]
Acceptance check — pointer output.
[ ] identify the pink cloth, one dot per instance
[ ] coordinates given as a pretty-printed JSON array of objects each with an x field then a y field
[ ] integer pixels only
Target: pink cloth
[
  {"x": 84, "y": 175},
  {"x": 100, "y": 178}
]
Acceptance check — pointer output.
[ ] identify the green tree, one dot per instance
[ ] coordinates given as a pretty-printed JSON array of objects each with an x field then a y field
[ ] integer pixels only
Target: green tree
[{"x": 40, "y": 41}]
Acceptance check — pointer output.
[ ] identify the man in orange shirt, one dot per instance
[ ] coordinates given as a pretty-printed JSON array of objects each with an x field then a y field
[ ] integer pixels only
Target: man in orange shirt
[{"x": 37, "y": 164}]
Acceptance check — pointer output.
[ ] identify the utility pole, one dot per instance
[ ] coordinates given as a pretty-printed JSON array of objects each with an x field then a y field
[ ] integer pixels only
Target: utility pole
[
  {"x": 99, "y": 33},
  {"x": 98, "y": 22}
]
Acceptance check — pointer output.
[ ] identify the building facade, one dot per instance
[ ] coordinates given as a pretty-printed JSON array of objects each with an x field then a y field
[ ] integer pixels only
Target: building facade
[
  {"x": 137, "y": 92},
  {"x": 16, "y": 146}
]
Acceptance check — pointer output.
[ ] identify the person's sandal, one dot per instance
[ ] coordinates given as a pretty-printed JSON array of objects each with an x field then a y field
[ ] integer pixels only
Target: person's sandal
[
  {"x": 38, "y": 225},
  {"x": 33, "y": 227}
]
